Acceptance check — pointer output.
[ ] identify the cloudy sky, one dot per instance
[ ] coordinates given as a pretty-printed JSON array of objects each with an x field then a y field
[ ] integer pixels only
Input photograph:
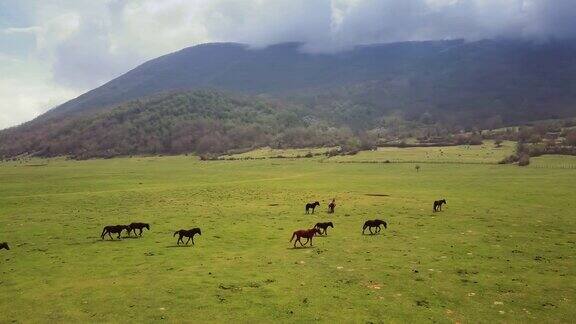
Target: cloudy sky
[{"x": 54, "y": 50}]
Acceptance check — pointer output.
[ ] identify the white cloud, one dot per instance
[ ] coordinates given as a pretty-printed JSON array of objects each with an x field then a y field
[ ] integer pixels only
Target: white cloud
[{"x": 26, "y": 90}]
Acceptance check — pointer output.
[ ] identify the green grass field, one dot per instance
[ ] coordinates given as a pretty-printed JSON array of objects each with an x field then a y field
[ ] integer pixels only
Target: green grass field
[
  {"x": 267, "y": 152},
  {"x": 553, "y": 162},
  {"x": 486, "y": 153},
  {"x": 501, "y": 251}
]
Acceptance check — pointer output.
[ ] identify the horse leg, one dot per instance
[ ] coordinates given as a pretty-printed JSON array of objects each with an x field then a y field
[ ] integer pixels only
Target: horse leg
[
  {"x": 119, "y": 233},
  {"x": 296, "y": 240},
  {"x": 188, "y": 241},
  {"x": 311, "y": 241},
  {"x": 370, "y": 229},
  {"x": 140, "y": 234}
]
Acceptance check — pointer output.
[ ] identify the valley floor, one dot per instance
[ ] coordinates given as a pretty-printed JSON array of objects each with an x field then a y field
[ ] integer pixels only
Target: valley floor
[{"x": 502, "y": 250}]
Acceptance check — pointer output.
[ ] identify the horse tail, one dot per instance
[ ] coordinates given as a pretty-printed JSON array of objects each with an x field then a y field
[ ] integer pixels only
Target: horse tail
[
  {"x": 293, "y": 235},
  {"x": 175, "y": 233},
  {"x": 103, "y": 232}
]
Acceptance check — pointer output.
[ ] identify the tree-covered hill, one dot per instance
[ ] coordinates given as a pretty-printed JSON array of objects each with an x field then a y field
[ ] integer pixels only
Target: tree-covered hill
[{"x": 172, "y": 123}]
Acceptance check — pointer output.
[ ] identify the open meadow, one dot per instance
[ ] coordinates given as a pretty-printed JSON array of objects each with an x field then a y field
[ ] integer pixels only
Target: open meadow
[{"x": 502, "y": 250}]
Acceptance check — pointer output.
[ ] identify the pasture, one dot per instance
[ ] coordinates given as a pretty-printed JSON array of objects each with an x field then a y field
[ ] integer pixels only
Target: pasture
[{"x": 501, "y": 250}]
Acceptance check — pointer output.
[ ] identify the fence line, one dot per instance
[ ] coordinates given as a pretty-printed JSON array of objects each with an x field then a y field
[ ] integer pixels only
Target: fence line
[{"x": 553, "y": 166}]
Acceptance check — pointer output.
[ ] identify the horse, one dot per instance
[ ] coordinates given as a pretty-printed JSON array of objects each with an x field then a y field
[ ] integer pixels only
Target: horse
[
  {"x": 4, "y": 245},
  {"x": 331, "y": 206},
  {"x": 114, "y": 229},
  {"x": 308, "y": 234},
  {"x": 369, "y": 224},
  {"x": 187, "y": 233},
  {"x": 438, "y": 205},
  {"x": 138, "y": 226},
  {"x": 312, "y": 206},
  {"x": 324, "y": 227}
]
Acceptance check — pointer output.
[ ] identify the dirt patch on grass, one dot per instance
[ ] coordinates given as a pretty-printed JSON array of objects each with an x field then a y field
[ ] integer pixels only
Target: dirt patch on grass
[{"x": 376, "y": 195}]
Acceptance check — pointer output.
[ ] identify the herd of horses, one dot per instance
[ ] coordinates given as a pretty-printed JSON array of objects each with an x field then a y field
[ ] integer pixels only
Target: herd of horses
[{"x": 308, "y": 234}]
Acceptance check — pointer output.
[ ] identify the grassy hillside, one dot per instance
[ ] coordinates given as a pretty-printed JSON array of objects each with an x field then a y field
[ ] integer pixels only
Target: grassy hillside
[{"x": 501, "y": 251}]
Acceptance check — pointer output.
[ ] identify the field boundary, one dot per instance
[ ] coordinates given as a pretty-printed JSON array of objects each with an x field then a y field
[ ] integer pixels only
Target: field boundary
[{"x": 413, "y": 162}]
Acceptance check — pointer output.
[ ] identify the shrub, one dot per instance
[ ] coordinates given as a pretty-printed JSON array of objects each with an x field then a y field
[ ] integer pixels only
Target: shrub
[{"x": 524, "y": 160}]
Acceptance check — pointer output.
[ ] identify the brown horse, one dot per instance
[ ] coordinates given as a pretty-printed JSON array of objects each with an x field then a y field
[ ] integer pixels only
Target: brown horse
[
  {"x": 116, "y": 229},
  {"x": 323, "y": 227},
  {"x": 4, "y": 245},
  {"x": 438, "y": 205},
  {"x": 138, "y": 226},
  {"x": 311, "y": 206},
  {"x": 331, "y": 206},
  {"x": 369, "y": 224},
  {"x": 187, "y": 233},
  {"x": 307, "y": 234}
]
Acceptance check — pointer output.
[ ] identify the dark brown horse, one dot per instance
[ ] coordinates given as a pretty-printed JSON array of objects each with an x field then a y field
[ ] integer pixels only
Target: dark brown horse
[
  {"x": 138, "y": 226},
  {"x": 323, "y": 227},
  {"x": 187, "y": 233},
  {"x": 307, "y": 234},
  {"x": 438, "y": 205},
  {"x": 369, "y": 224},
  {"x": 331, "y": 206},
  {"x": 116, "y": 229},
  {"x": 311, "y": 206},
  {"x": 4, "y": 245}
]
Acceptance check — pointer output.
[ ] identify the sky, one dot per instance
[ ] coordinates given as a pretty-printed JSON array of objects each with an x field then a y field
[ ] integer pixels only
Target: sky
[{"x": 54, "y": 50}]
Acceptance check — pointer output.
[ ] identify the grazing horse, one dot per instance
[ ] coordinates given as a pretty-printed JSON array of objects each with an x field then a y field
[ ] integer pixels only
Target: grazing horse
[
  {"x": 369, "y": 224},
  {"x": 438, "y": 205},
  {"x": 312, "y": 206},
  {"x": 323, "y": 227},
  {"x": 331, "y": 206},
  {"x": 308, "y": 234},
  {"x": 187, "y": 233},
  {"x": 4, "y": 245},
  {"x": 116, "y": 229},
  {"x": 138, "y": 226}
]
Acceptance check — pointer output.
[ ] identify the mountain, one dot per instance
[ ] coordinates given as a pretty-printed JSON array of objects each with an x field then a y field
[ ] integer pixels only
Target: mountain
[
  {"x": 435, "y": 86},
  {"x": 495, "y": 77}
]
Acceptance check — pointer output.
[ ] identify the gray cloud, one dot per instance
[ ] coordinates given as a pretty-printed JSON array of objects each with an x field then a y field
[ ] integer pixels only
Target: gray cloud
[{"x": 128, "y": 32}]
